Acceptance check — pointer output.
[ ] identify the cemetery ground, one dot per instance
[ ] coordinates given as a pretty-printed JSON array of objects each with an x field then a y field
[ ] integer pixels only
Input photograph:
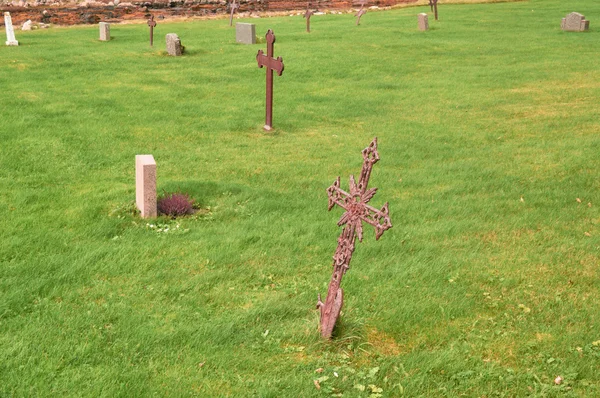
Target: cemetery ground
[{"x": 489, "y": 137}]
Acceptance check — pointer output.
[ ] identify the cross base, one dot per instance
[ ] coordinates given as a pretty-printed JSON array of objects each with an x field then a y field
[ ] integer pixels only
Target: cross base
[
  {"x": 12, "y": 43},
  {"x": 266, "y": 127}
]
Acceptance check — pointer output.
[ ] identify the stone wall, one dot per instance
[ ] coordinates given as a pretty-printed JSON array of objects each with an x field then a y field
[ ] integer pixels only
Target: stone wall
[{"x": 92, "y": 12}]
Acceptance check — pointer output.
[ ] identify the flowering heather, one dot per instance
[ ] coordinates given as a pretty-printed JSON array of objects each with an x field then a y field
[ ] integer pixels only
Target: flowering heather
[{"x": 175, "y": 204}]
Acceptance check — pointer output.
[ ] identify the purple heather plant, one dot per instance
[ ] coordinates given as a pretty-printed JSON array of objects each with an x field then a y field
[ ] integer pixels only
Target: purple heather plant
[{"x": 175, "y": 204}]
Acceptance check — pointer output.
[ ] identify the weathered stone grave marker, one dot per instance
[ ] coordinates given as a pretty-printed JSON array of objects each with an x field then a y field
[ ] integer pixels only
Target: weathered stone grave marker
[
  {"x": 10, "y": 30},
  {"x": 145, "y": 185},
  {"x": 271, "y": 64},
  {"x": 104, "y": 31},
  {"x": 360, "y": 12},
  {"x": 423, "y": 21},
  {"x": 245, "y": 33},
  {"x": 575, "y": 22},
  {"x": 173, "y": 45},
  {"x": 151, "y": 24},
  {"x": 307, "y": 15},
  {"x": 232, "y": 8},
  {"x": 356, "y": 211}
]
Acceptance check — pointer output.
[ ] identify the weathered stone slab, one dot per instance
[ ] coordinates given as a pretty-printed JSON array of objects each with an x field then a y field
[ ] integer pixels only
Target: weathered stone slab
[
  {"x": 145, "y": 185},
  {"x": 104, "y": 31},
  {"x": 173, "y": 45},
  {"x": 10, "y": 30},
  {"x": 423, "y": 22},
  {"x": 245, "y": 33},
  {"x": 575, "y": 22}
]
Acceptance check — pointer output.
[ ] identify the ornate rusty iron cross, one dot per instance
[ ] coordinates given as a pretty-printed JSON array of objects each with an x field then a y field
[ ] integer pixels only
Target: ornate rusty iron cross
[
  {"x": 271, "y": 64},
  {"x": 360, "y": 12},
  {"x": 151, "y": 24},
  {"x": 356, "y": 211},
  {"x": 233, "y": 6},
  {"x": 307, "y": 15}
]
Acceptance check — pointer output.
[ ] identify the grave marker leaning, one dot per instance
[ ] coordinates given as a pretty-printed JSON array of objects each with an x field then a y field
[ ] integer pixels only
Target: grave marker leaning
[
  {"x": 271, "y": 64},
  {"x": 232, "y": 6},
  {"x": 356, "y": 211},
  {"x": 307, "y": 15},
  {"x": 360, "y": 12},
  {"x": 10, "y": 30}
]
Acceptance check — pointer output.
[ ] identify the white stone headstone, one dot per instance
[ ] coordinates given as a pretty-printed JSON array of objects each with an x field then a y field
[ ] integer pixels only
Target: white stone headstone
[{"x": 10, "y": 31}]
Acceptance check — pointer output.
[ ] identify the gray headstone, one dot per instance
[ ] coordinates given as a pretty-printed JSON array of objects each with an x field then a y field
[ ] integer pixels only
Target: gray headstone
[
  {"x": 10, "y": 31},
  {"x": 245, "y": 33},
  {"x": 173, "y": 45},
  {"x": 423, "y": 22},
  {"x": 575, "y": 22},
  {"x": 104, "y": 31}
]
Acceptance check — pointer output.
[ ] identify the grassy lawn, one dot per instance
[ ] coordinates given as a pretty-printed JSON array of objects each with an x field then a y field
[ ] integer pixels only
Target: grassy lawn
[{"x": 489, "y": 136}]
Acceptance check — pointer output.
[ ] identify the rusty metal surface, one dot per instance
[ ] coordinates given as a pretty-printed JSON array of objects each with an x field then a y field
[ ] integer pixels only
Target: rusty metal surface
[
  {"x": 233, "y": 6},
  {"x": 357, "y": 211},
  {"x": 307, "y": 15},
  {"x": 151, "y": 24},
  {"x": 360, "y": 12},
  {"x": 271, "y": 65},
  {"x": 433, "y": 5}
]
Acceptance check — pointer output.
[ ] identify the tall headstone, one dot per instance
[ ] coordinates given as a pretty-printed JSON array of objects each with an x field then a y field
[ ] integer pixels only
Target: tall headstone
[
  {"x": 173, "y": 45},
  {"x": 423, "y": 22},
  {"x": 145, "y": 185},
  {"x": 245, "y": 33},
  {"x": 575, "y": 22},
  {"x": 10, "y": 31},
  {"x": 104, "y": 31}
]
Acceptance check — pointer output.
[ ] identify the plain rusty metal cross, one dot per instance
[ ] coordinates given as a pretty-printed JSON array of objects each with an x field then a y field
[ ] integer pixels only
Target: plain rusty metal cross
[
  {"x": 307, "y": 15},
  {"x": 271, "y": 65},
  {"x": 360, "y": 12},
  {"x": 151, "y": 24},
  {"x": 356, "y": 212},
  {"x": 433, "y": 5},
  {"x": 232, "y": 6}
]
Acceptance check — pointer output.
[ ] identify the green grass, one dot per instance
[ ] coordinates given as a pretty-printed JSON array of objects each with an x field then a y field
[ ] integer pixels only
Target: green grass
[{"x": 487, "y": 285}]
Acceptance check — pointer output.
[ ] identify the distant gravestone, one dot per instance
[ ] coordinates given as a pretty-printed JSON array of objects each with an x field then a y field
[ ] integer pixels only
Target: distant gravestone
[
  {"x": 10, "y": 31},
  {"x": 245, "y": 33},
  {"x": 575, "y": 22},
  {"x": 145, "y": 185},
  {"x": 423, "y": 22},
  {"x": 27, "y": 25},
  {"x": 173, "y": 45},
  {"x": 104, "y": 31}
]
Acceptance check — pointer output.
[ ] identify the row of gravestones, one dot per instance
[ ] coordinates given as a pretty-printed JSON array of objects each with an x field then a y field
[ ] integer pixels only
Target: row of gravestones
[
  {"x": 174, "y": 46},
  {"x": 245, "y": 33}
]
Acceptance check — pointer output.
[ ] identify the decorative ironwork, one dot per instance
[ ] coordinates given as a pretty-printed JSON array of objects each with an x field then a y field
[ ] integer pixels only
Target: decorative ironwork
[
  {"x": 151, "y": 24},
  {"x": 233, "y": 6},
  {"x": 356, "y": 212},
  {"x": 307, "y": 15},
  {"x": 271, "y": 64}
]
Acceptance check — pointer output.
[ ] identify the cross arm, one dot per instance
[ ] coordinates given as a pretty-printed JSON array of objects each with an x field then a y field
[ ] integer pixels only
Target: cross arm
[
  {"x": 270, "y": 63},
  {"x": 337, "y": 196},
  {"x": 380, "y": 219}
]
